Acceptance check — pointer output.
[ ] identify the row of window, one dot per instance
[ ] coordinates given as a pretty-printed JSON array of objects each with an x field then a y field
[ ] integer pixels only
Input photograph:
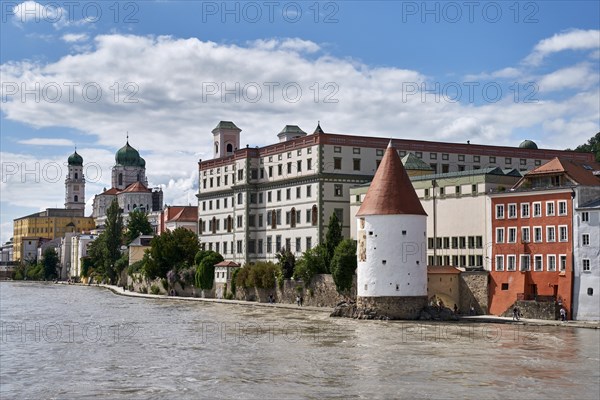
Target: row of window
[
  {"x": 292, "y": 217},
  {"x": 442, "y": 190},
  {"x": 458, "y": 242},
  {"x": 457, "y": 261},
  {"x": 511, "y": 237},
  {"x": 510, "y": 210},
  {"x": 258, "y": 198},
  {"x": 509, "y": 262},
  {"x": 257, "y": 246}
]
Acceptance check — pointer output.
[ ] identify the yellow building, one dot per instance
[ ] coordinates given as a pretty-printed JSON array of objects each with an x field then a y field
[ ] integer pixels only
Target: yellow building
[
  {"x": 443, "y": 284},
  {"x": 49, "y": 224}
]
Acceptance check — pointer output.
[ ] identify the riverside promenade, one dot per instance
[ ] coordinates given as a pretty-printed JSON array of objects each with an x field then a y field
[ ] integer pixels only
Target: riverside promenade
[{"x": 489, "y": 319}]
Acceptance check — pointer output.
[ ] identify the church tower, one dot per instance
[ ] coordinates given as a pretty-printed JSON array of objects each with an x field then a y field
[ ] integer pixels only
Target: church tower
[
  {"x": 129, "y": 168},
  {"x": 391, "y": 232},
  {"x": 226, "y": 139},
  {"x": 75, "y": 183}
]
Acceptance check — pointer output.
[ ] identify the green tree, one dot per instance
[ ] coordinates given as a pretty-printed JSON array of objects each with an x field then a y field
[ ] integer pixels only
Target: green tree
[
  {"x": 205, "y": 271},
  {"x": 332, "y": 238},
  {"x": 592, "y": 146},
  {"x": 113, "y": 240},
  {"x": 137, "y": 225},
  {"x": 170, "y": 250},
  {"x": 312, "y": 262},
  {"x": 50, "y": 262},
  {"x": 287, "y": 261},
  {"x": 343, "y": 265}
]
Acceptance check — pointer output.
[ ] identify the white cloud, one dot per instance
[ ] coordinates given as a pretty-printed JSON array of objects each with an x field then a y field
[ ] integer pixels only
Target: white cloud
[
  {"x": 181, "y": 88},
  {"x": 47, "y": 142},
  {"x": 31, "y": 11},
  {"x": 576, "y": 39},
  {"x": 578, "y": 76},
  {"x": 75, "y": 37}
]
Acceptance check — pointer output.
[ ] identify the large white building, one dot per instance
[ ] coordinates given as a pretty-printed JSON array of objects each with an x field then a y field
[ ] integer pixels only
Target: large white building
[
  {"x": 586, "y": 251},
  {"x": 254, "y": 201}
]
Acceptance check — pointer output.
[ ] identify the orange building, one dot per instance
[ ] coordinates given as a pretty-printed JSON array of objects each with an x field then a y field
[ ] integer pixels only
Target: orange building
[{"x": 532, "y": 230}]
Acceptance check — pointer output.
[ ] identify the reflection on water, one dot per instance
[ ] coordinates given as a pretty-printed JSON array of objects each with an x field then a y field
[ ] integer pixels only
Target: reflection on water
[{"x": 83, "y": 342}]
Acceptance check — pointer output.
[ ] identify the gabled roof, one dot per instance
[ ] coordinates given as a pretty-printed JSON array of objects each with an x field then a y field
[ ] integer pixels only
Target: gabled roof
[
  {"x": 229, "y": 264},
  {"x": 136, "y": 187},
  {"x": 111, "y": 191},
  {"x": 187, "y": 214},
  {"x": 391, "y": 192},
  {"x": 580, "y": 173},
  {"x": 412, "y": 162}
]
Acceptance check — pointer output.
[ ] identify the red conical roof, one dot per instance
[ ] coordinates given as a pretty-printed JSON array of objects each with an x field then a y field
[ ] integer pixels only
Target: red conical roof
[{"x": 391, "y": 191}]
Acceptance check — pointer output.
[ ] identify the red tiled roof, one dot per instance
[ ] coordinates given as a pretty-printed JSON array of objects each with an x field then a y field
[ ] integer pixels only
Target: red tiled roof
[
  {"x": 136, "y": 187},
  {"x": 391, "y": 191},
  {"x": 187, "y": 214},
  {"x": 442, "y": 269},
  {"x": 576, "y": 171},
  {"x": 112, "y": 191},
  {"x": 227, "y": 264}
]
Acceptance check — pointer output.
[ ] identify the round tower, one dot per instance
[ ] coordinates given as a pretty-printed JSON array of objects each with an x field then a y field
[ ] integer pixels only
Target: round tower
[
  {"x": 392, "y": 233},
  {"x": 75, "y": 183}
]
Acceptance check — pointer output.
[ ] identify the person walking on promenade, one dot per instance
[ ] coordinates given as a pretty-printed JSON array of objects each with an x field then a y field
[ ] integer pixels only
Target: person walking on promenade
[
  {"x": 516, "y": 313},
  {"x": 301, "y": 300},
  {"x": 298, "y": 300},
  {"x": 563, "y": 314}
]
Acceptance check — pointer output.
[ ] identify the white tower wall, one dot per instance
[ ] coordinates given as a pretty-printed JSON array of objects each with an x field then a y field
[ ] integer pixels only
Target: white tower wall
[{"x": 392, "y": 256}]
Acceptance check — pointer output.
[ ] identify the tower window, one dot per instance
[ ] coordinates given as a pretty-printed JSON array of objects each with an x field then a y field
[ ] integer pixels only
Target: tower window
[
  {"x": 229, "y": 148},
  {"x": 76, "y": 198},
  {"x": 120, "y": 179},
  {"x": 76, "y": 175}
]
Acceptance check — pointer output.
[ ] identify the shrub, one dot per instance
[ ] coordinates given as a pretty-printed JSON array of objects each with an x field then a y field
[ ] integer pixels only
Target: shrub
[
  {"x": 241, "y": 277},
  {"x": 233, "y": 280},
  {"x": 313, "y": 261},
  {"x": 154, "y": 289},
  {"x": 144, "y": 290},
  {"x": 343, "y": 265},
  {"x": 164, "y": 284}
]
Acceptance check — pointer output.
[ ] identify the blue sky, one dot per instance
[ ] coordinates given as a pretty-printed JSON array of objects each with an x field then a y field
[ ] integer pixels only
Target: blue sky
[{"x": 488, "y": 72}]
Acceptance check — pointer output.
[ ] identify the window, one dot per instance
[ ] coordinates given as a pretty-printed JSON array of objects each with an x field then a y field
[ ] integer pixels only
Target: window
[
  {"x": 298, "y": 192},
  {"x": 457, "y": 190},
  {"x": 426, "y": 192},
  {"x": 298, "y": 245},
  {"x": 270, "y": 172},
  {"x": 499, "y": 236},
  {"x": 356, "y": 150},
  {"x": 445, "y": 156},
  {"x": 525, "y": 238},
  {"x": 550, "y": 234},
  {"x": 524, "y": 210},
  {"x": 240, "y": 175},
  {"x": 269, "y": 244},
  {"x": 537, "y": 263},
  {"x": 563, "y": 262},
  {"x": 252, "y": 198},
  {"x": 419, "y": 154},
  {"x": 240, "y": 220},
  {"x": 240, "y": 197},
  {"x": 499, "y": 263},
  {"x": 471, "y": 240},
  {"x": 308, "y": 243},
  {"x": 337, "y": 191},
  {"x": 585, "y": 216},
  {"x": 462, "y": 242},
  {"x": 585, "y": 239},
  {"x": 563, "y": 236},
  {"x": 252, "y": 220},
  {"x": 585, "y": 264},
  {"x": 288, "y": 194},
  {"x": 523, "y": 161},
  {"x": 339, "y": 212},
  {"x": 337, "y": 149},
  {"x": 504, "y": 286},
  {"x": 461, "y": 157},
  {"x": 239, "y": 247},
  {"x": 549, "y": 208},
  {"x": 447, "y": 244},
  {"x": 537, "y": 234},
  {"x": 337, "y": 163},
  {"x": 278, "y": 195},
  {"x": 289, "y": 168},
  {"x": 512, "y": 211},
  {"x": 508, "y": 160},
  {"x": 524, "y": 262},
  {"x": 259, "y": 248},
  {"x": 308, "y": 191},
  {"x": 476, "y": 159},
  {"x": 356, "y": 164},
  {"x": 279, "y": 169},
  {"x": 474, "y": 189},
  {"x": 537, "y": 209},
  {"x": 309, "y": 164},
  {"x": 269, "y": 197},
  {"x": 492, "y": 160},
  {"x": 445, "y": 168},
  {"x": 251, "y": 246},
  {"x": 309, "y": 150},
  {"x": 562, "y": 208},
  {"x": 455, "y": 240},
  {"x": 512, "y": 235},
  {"x": 461, "y": 167},
  {"x": 224, "y": 247},
  {"x": 433, "y": 156},
  {"x": 551, "y": 263},
  {"x": 511, "y": 262},
  {"x": 299, "y": 166},
  {"x": 260, "y": 220},
  {"x": 277, "y": 243},
  {"x": 260, "y": 197},
  {"x": 499, "y": 211}
]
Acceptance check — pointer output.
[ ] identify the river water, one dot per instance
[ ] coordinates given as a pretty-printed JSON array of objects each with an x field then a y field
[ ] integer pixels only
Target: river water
[{"x": 80, "y": 342}]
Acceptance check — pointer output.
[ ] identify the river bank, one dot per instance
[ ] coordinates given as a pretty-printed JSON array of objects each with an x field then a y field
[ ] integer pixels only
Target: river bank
[{"x": 492, "y": 319}]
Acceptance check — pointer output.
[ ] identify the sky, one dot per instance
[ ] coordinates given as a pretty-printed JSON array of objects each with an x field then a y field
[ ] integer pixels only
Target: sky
[{"x": 86, "y": 74}]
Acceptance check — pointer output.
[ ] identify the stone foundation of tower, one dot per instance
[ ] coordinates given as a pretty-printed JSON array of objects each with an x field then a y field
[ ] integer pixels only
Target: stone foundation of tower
[{"x": 392, "y": 307}]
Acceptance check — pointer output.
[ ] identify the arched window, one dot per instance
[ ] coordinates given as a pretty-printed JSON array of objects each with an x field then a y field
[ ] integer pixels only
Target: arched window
[
  {"x": 75, "y": 198},
  {"x": 120, "y": 179},
  {"x": 315, "y": 215},
  {"x": 138, "y": 177},
  {"x": 229, "y": 148},
  {"x": 76, "y": 175},
  {"x": 216, "y": 148}
]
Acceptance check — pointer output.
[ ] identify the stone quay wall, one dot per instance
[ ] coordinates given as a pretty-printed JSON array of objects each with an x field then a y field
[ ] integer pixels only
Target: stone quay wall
[
  {"x": 392, "y": 307},
  {"x": 536, "y": 309},
  {"x": 474, "y": 292}
]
